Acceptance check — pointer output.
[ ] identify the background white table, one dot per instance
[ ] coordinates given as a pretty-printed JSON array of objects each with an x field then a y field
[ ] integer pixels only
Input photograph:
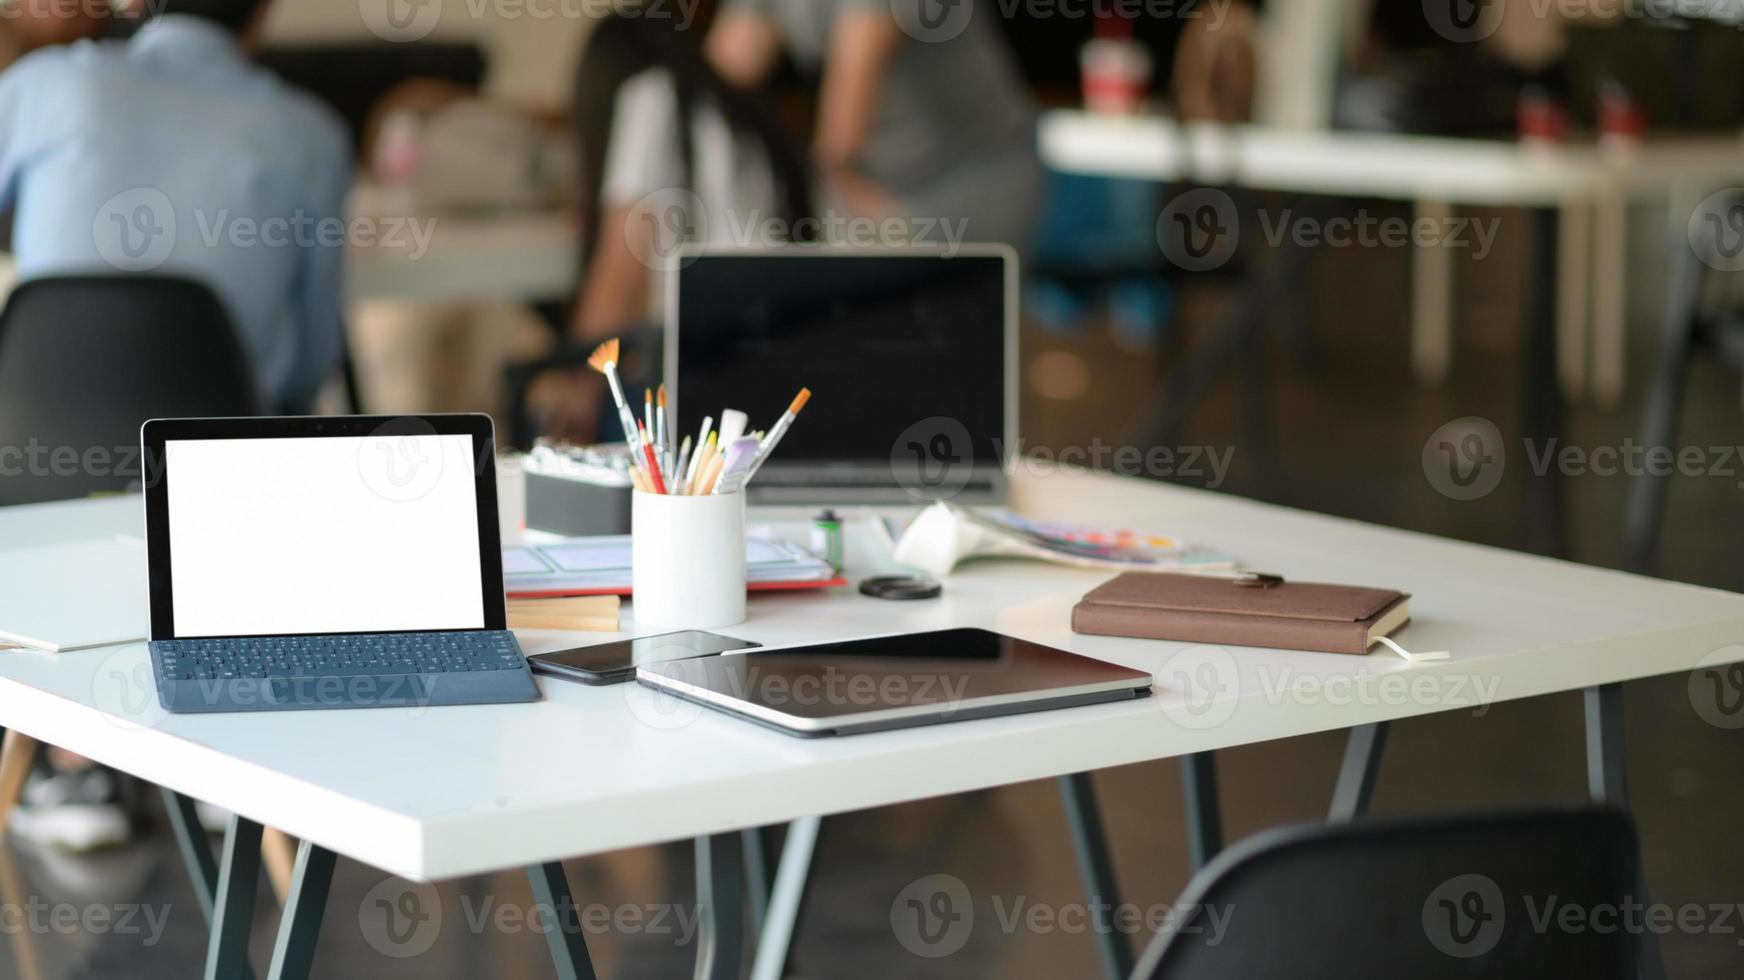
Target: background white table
[
  {"x": 442, "y": 792},
  {"x": 1589, "y": 187}
]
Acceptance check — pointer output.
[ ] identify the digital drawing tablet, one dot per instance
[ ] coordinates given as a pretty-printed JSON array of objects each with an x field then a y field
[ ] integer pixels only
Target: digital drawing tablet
[
  {"x": 895, "y": 682},
  {"x": 616, "y": 662}
]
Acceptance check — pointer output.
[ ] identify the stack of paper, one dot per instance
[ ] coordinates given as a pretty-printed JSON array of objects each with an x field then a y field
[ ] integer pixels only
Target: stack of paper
[
  {"x": 601, "y": 566},
  {"x": 73, "y": 596}
]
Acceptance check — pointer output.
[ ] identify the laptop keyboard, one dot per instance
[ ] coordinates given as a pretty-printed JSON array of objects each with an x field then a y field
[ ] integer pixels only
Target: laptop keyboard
[{"x": 345, "y": 655}]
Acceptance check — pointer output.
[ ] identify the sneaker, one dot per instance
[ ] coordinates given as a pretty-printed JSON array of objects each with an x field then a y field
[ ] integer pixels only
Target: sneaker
[
  {"x": 75, "y": 811},
  {"x": 213, "y": 819}
]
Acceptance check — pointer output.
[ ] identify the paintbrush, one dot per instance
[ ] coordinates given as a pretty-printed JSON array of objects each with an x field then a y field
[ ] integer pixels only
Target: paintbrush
[
  {"x": 738, "y": 464},
  {"x": 663, "y": 433},
  {"x": 678, "y": 467},
  {"x": 782, "y": 424},
  {"x": 605, "y": 360}
]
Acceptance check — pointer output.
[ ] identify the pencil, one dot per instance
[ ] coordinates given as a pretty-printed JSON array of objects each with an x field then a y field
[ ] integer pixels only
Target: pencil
[
  {"x": 713, "y": 475},
  {"x": 700, "y": 465}
]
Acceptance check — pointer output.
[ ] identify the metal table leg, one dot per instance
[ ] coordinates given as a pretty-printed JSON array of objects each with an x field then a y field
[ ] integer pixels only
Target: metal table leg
[
  {"x": 1356, "y": 775},
  {"x": 756, "y": 878},
  {"x": 1605, "y": 769},
  {"x": 233, "y": 901},
  {"x": 1085, "y": 819},
  {"x": 563, "y": 927},
  {"x": 1204, "y": 816},
  {"x": 1608, "y": 785},
  {"x": 196, "y": 853},
  {"x": 785, "y": 899},
  {"x": 720, "y": 895},
  {"x": 305, "y": 901}
]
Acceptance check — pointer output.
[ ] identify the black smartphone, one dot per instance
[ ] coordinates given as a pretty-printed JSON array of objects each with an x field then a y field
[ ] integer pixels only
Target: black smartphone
[{"x": 616, "y": 662}]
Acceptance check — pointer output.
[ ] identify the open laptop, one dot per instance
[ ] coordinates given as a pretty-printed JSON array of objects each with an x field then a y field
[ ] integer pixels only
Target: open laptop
[
  {"x": 911, "y": 355},
  {"x": 891, "y": 682},
  {"x": 326, "y": 563}
]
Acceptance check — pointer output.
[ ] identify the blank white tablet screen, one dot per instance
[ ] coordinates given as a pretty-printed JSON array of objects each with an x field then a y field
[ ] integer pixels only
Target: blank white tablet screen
[{"x": 323, "y": 535}]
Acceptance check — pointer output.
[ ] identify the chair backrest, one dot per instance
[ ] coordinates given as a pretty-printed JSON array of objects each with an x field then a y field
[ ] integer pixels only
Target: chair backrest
[
  {"x": 1426, "y": 898},
  {"x": 85, "y": 360}
]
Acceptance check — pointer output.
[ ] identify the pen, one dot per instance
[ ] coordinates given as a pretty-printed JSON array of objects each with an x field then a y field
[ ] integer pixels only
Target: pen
[
  {"x": 702, "y": 440},
  {"x": 781, "y": 426}
]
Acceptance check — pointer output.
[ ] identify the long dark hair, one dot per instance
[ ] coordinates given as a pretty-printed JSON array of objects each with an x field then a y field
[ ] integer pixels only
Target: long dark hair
[{"x": 631, "y": 41}]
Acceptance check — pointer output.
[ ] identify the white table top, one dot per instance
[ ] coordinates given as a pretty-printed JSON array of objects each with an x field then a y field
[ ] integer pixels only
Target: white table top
[
  {"x": 1460, "y": 171},
  {"x": 441, "y": 792}
]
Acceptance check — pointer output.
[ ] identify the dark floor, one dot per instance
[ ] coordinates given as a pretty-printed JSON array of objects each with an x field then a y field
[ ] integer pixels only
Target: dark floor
[{"x": 1350, "y": 431}]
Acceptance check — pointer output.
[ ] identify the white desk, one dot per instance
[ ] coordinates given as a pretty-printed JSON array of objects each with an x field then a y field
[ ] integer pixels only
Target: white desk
[
  {"x": 437, "y": 793},
  {"x": 1590, "y": 188}
]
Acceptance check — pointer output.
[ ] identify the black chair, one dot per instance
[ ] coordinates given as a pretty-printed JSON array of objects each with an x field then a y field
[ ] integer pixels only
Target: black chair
[
  {"x": 84, "y": 360},
  {"x": 1425, "y": 898},
  {"x": 1697, "y": 321}
]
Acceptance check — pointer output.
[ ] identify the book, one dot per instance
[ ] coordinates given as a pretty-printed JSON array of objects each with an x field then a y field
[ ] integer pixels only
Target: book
[
  {"x": 1287, "y": 615},
  {"x": 946, "y": 534},
  {"x": 601, "y": 566},
  {"x": 597, "y": 614}
]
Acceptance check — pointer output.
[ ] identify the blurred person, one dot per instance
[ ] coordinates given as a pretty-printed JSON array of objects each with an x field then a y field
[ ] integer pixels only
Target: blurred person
[
  {"x": 670, "y": 154},
  {"x": 171, "y": 153},
  {"x": 26, "y": 25},
  {"x": 916, "y": 117}
]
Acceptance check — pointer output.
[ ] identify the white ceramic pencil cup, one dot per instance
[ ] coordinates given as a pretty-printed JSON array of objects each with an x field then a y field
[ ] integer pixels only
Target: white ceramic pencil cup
[{"x": 687, "y": 560}]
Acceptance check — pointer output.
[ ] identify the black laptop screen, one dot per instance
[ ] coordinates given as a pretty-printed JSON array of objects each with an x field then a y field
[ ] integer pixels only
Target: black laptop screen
[{"x": 897, "y": 350}]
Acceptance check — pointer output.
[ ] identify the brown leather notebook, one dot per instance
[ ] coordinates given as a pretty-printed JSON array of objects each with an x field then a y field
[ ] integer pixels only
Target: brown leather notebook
[{"x": 1198, "y": 609}]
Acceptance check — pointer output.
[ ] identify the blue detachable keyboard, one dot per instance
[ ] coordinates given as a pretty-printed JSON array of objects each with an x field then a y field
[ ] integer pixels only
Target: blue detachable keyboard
[{"x": 353, "y": 670}]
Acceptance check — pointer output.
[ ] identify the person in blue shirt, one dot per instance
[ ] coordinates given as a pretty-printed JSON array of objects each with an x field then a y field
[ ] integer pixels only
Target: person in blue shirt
[{"x": 172, "y": 153}]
